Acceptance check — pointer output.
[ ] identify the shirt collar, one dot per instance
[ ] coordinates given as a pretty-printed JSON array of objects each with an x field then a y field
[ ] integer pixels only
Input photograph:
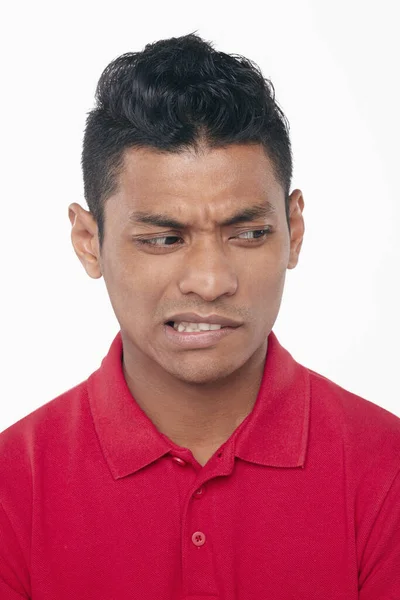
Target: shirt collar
[{"x": 274, "y": 434}]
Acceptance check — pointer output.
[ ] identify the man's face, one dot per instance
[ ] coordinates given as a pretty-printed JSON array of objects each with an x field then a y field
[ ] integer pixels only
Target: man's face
[{"x": 153, "y": 272}]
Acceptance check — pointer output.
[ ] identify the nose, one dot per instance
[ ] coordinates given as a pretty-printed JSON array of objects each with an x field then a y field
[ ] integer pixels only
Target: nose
[{"x": 208, "y": 271}]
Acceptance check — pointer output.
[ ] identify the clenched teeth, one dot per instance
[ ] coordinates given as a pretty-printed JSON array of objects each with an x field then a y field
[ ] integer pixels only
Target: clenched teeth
[{"x": 190, "y": 327}]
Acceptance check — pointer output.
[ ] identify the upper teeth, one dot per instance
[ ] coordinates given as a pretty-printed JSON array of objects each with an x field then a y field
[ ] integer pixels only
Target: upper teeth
[{"x": 185, "y": 326}]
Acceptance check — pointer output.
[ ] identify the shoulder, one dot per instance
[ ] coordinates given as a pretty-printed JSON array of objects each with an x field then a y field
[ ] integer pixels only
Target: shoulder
[
  {"x": 354, "y": 412},
  {"x": 369, "y": 435},
  {"x": 23, "y": 444}
]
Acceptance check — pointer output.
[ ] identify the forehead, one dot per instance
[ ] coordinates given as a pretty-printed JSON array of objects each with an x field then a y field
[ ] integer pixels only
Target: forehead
[{"x": 213, "y": 180}]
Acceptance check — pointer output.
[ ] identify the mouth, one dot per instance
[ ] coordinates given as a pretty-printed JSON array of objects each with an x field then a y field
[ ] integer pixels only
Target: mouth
[
  {"x": 186, "y": 327},
  {"x": 181, "y": 335}
]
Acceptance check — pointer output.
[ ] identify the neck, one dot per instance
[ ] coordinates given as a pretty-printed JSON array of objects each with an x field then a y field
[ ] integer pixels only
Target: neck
[{"x": 195, "y": 416}]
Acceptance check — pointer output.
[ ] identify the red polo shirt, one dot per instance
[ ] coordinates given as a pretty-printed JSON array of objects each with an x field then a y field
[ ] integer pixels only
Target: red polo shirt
[{"x": 301, "y": 502}]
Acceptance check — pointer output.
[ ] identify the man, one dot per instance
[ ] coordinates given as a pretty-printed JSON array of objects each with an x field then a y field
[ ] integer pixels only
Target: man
[{"x": 200, "y": 460}]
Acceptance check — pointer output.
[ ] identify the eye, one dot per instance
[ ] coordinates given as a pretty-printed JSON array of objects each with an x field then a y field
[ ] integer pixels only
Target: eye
[
  {"x": 158, "y": 243},
  {"x": 259, "y": 234}
]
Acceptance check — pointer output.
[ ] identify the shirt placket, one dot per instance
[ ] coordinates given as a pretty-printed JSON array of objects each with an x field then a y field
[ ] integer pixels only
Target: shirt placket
[{"x": 199, "y": 564}]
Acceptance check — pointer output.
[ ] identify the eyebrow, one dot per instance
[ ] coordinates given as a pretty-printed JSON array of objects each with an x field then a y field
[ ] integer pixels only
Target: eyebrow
[{"x": 250, "y": 213}]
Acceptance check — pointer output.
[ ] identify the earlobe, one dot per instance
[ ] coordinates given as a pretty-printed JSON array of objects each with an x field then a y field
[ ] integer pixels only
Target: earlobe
[{"x": 84, "y": 238}]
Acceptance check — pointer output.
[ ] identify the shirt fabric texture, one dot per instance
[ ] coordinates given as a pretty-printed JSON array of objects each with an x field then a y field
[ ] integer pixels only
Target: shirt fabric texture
[{"x": 301, "y": 502}]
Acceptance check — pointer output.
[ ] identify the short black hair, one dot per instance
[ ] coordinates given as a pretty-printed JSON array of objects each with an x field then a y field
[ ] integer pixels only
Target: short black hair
[{"x": 178, "y": 94}]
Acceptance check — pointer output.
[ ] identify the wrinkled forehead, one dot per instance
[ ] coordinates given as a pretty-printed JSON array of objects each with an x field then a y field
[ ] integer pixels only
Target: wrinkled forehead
[{"x": 211, "y": 182}]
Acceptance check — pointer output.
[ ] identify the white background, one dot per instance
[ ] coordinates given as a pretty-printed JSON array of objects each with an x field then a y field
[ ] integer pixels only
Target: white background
[{"x": 335, "y": 68}]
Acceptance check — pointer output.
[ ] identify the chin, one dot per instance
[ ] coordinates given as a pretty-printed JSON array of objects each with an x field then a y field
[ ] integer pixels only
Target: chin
[{"x": 202, "y": 372}]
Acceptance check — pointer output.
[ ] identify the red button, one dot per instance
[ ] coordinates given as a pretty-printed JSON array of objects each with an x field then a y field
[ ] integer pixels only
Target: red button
[
  {"x": 179, "y": 461},
  {"x": 199, "y": 493},
  {"x": 198, "y": 538}
]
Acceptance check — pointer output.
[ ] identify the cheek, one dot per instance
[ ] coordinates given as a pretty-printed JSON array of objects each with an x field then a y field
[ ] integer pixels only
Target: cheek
[
  {"x": 265, "y": 277},
  {"x": 136, "y": 287}
]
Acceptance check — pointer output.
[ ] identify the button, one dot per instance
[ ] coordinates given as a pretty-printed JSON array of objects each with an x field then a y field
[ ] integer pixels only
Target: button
[
  {"x": 198, "y": 538},
  {"x": 199, "y": 493},
  {"x": 179, "y": 461}
]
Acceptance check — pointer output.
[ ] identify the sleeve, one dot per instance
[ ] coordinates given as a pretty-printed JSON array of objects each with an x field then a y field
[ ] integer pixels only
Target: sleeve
[
  {"x": 13, "y": 569},
  {"x": 379, "y": 572}
]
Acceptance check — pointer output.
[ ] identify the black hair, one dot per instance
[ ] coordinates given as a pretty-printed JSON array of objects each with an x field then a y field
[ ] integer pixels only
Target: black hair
[{"x": 179, "y": 94}]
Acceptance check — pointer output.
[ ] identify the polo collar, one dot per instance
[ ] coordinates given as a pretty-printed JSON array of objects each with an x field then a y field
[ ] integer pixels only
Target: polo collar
[{"x": 274, "y": 434}]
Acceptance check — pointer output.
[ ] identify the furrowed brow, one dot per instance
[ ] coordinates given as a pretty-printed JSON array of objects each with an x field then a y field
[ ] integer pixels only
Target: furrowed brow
[{"x": 257, "y": 211}]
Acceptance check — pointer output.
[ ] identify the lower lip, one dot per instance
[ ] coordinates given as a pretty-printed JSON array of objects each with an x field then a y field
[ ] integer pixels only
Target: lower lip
[{"x": 197, "y": 339}]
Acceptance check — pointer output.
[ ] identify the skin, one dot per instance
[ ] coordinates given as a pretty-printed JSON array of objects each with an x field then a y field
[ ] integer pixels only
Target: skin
[{"x": 197, "y": 397}]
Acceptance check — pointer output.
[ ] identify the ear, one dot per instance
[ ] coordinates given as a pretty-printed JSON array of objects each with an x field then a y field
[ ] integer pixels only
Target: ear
[
  {"x": 84, "y": 237},
  {"x": 296, "y": 206}
]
